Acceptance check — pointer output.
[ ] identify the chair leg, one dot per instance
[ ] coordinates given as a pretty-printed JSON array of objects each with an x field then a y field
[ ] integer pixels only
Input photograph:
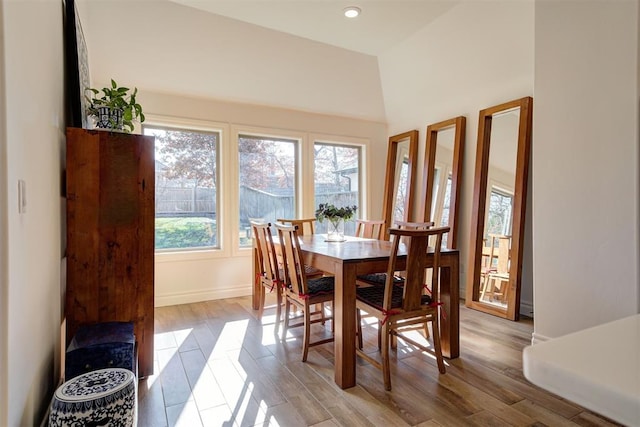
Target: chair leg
[
  {"x": 359, "y": 329},
  {"x": 278, "y": 309},
  {"x": 436, "y": 344},
  {"x": 321, "y": 307},
  {"x": 386, "y": 372},
  {"x": 307, "y": 332},
  {"x": 261, "y": 302},
  {"x": 287, "y": 307}
]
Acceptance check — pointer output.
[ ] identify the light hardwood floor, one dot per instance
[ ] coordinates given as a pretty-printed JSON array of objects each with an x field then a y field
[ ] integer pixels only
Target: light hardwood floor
[{"x": 216, "y": 364}]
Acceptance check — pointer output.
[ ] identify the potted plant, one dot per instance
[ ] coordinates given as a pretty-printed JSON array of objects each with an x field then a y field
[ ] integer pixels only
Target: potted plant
[
  {"x": 336, "y": 217},
  {"x": 116, "y": 109}
]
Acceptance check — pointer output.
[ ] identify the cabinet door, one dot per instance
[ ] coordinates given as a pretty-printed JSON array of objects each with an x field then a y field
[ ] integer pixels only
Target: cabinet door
[{"x": 110, "y": 233}]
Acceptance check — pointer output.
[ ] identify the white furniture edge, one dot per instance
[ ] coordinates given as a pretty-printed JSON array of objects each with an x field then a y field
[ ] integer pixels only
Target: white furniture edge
[{"x": 597, "y": 368}]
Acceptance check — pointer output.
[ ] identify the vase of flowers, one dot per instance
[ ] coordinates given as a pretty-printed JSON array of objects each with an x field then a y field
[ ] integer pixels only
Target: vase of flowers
[{"x": 336, "y": 218}]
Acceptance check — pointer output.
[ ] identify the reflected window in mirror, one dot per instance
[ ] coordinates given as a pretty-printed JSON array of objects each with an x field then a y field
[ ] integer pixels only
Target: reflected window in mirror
[
  {"x": 442, "y": 175},
  {"x": 499, "y": 218},
  {"x": 400, "y": 174},
  {"x": 401, "y": 196}
]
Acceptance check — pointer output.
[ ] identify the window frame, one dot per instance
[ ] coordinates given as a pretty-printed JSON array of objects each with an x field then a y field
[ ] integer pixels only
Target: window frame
[
  {"x": 178, "y": 123},
  {"x": 234, "y": 179},
  {"x": 363, "y": 179}
]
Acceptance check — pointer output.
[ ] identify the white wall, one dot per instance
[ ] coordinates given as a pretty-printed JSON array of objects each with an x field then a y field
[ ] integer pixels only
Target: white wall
[
  {"x": 585, "y": 164},
  {"x": 4, "y": 255},
  {"x": 476, "y": 55},
  {"x": 176, "y": 49},
  {"x": 188, "y": 277},
  {"x": 33, "y": 96}
]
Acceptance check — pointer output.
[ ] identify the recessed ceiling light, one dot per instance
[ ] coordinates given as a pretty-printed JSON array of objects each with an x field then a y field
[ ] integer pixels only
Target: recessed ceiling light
[{"x": 351, "y": 11}]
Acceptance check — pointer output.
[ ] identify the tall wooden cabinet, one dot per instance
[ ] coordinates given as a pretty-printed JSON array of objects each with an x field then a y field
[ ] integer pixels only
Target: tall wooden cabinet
[{"x": 110, "y": 233}]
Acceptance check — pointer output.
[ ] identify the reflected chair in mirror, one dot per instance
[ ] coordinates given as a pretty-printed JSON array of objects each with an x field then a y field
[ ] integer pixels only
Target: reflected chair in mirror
[
  {"x": 400, "y": 309},
  {"x": 268, "y": 273},
  {"x": 370, "y": 229},
  {"x": 300, "y": 291},
  {"x": 496, "y": 283}
]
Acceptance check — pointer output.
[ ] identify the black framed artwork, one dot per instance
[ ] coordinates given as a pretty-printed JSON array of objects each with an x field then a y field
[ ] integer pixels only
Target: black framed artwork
[{"x": 76, "y": 67}]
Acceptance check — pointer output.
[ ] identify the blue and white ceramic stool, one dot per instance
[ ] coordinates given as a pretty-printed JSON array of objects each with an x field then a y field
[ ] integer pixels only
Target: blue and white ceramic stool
[{"x": 106, "y": 397}]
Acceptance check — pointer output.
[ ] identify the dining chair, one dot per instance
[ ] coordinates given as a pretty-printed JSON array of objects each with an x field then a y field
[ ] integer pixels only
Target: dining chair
[
  {"x": 370, "y": 229},
  {"x": 379, "y": 279},
  {"x": 306, "y": 226},
  {"x": 299, "y": 290},
  {"x": 399, "y": 308},
  {"x": 268, "y": 271}
]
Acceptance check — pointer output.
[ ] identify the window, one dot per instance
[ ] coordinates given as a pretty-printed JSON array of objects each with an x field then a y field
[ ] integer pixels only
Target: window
[
  {"x": 337, "y": 179},
  {"x": 500, "y": 207},
  {"x": 186, "y": 188},
  {"x": 267, "y": 178}
]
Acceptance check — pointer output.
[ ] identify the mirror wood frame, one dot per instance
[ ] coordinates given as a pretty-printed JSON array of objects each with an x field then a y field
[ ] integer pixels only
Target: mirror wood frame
[
  {"x": 460, "y": 125},
  {"x": 390, "y": 184},
  {"x": 519, "y": 208}
]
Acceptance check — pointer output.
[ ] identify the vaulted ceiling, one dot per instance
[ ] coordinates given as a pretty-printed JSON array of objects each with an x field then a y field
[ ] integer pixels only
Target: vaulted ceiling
[{"x": 381, "y": 24}]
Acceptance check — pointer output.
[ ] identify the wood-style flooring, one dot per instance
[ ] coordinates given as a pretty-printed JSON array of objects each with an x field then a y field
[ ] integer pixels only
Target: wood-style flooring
[{"x": 217, "y": 364}]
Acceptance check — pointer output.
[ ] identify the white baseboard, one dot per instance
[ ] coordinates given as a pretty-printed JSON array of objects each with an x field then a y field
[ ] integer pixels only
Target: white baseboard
[
  {"x": 198, "y": 296},
  {"x": 537, "y": 338}
]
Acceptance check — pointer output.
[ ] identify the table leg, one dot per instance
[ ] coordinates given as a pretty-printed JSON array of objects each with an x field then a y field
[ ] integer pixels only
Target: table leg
[
  {"x": 449, "y": 296},
  {"x": 344, "y": 316}
]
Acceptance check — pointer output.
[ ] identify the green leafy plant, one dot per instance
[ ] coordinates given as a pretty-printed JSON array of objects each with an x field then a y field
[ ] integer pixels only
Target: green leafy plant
[
  {"x": 115, "y": 98},
  {"x": 333, "y": 213}
]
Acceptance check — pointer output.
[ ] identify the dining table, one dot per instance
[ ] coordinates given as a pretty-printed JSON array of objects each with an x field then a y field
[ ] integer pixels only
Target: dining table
[{"x": 357, "y": 256}]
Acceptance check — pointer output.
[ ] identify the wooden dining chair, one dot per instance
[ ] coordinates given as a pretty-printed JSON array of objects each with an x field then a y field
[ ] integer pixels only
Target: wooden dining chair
[
  {"x": 268, "y": 271},
  {"x": 306, "y": 226},
  {"x": 379, "y": 279},
  {"x": 300, "y": 291},
  {"x": 399, "y": 308},
  {"x": 370, "y": 229}
]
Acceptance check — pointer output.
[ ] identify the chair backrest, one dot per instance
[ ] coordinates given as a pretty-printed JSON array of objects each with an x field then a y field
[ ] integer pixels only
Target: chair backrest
[
  {"x": 370, "y": 229},
  {"x": 405, "y": 225},
  {"x": 417, "y": 245},
  {"x": 292, "y": 258},
  {"x": 306, "y": 226},
  {"x": 504, "y": 249},
  {"x": 414, "y": 225},
  {"x": 267, "y": 260}
]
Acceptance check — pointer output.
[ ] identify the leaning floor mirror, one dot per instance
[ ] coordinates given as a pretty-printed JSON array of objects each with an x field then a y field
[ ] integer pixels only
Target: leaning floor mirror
[
  {"x": 499, "y": 206},
  {"x": 442, "y": 175}
]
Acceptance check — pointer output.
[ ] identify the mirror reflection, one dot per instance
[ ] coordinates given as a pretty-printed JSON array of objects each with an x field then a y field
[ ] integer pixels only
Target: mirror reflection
[
  {"x": 401, "y": 170},
  {"x": 496, "y": 238},
  {"x": 401, "y": 195},
  {"x": 499, "y": 206},
  {"x": 442, "y": 176}
]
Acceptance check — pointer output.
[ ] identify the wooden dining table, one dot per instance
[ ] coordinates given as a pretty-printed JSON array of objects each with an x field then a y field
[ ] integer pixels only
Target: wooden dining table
[{"x": 356, "y": 256}]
